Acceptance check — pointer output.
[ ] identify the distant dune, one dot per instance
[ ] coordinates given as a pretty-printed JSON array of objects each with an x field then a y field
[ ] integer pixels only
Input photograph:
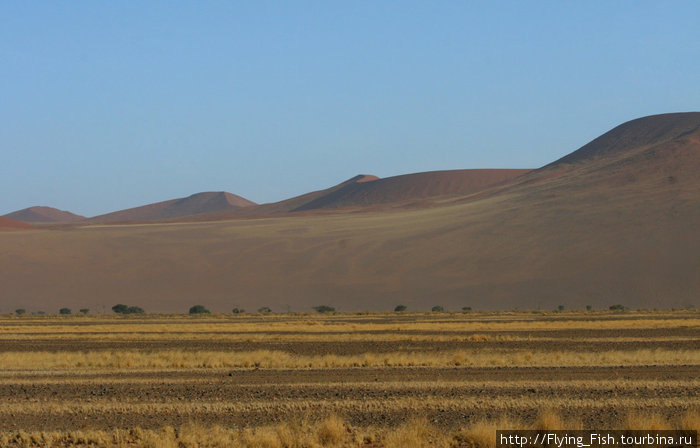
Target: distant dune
[
  {"x": 616, "y": 222},
  {"x": 175, "y": 208},
  {"x": 410, "y": 187},
  {"x": 364, "y": 191},
  {"x": 11, "y": 224},
  {"x": 44, "y": 214}
]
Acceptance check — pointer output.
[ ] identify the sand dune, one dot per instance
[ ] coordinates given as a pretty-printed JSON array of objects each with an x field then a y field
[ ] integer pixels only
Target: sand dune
[
  {"x": 12, "y": 224},
  {"x": 366, "y": 191},
  {"x": 44, "y": 214},
  {"x": 175, "y": 208},
  {"x": 614, "y": 225},
  {"x": 410, "y": 187}
]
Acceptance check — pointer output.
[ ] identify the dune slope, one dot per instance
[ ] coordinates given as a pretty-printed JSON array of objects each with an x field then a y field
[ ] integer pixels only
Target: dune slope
[
  {"x": 12, "y": 224},
  {"x": 618, "y": 227},
  {"x": 206, "y": 202},
  {"x": 44, "y": 214}
]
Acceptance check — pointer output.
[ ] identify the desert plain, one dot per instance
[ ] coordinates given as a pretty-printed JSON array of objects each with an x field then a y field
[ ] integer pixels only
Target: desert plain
[{"x": 350, "y": 379}]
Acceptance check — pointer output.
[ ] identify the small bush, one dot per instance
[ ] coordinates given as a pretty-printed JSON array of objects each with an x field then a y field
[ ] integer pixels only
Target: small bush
[
  {"x": 238, "y": 311},
  {"x": 589, "y": 307},
  {"x": 466, "y": 308},
  {"x": 400, "y": 308},
  {"x": 64, "y": 311},
  {"x": 561, "y": 308},
  {"x": 85, "y": 310},
  {"x": 120, "y": 308},
  {"x": 437, "y": 309},
  {"x": 618, "y": 307},
  {"x": 199, "y": 309},
  {"x": 124, "y": 309},
  {"x": 264, "y": 310},
  {"x": 324, "y": 309},
  {"x": 20, "y": 311}
]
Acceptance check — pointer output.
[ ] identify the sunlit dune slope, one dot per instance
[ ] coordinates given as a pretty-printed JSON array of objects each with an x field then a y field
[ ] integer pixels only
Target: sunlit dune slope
[{"x": 12, "y": 224}]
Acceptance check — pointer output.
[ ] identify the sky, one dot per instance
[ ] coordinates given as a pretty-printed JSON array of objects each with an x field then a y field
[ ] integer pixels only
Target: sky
[{"x": 109, "y": 105}]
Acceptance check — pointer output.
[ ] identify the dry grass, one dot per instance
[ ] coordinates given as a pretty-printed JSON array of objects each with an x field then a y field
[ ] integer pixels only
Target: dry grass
[
  {"x": 329, "y": 432},
  {"x": 342, "y": 325},
  {"x": 178, "y": 359},
  {"x": 320, "y": 412}
]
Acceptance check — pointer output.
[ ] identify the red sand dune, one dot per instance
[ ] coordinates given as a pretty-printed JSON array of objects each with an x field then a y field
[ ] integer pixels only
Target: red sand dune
[
  {"x": 198, "y": 203},
  {"x": 410, "y": 187},
  {"x": 44, "y": 214},
  {"x": 613, "y": 224},
  {"x": 370, "y": 192},
  {"x": 11, "y": 224}
]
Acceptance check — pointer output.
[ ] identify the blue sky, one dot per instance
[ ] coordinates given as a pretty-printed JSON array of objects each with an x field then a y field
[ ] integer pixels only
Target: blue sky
[{"x": 109, "y": 105}]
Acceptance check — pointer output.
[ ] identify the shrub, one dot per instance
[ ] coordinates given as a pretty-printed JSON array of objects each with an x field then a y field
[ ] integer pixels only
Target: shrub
[
  {"x": 124, "y": 309},
  {"x": 20, "y": 311},
  {"x": 561, "y": 308},
  {"x": 264, "y": 310},
  {"x": 199, "y": 309},
  {"x": 589, "y": 307},
  {"x": 437, "y": 309},
  {"x": 400, "y": 308},
  {"x": 64, "y": 311},
  {"x": 238, "y": 311},
  {"x": 324, "y": 309},
  {"x": 618, "y": 307},
  {"x": 120, "y": 308},
  {"x": 85, "y": 310},
  {"x": 466, "y": 308}
]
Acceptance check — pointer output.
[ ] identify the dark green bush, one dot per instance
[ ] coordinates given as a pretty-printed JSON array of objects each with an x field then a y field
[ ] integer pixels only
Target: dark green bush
[
  {"x": 324, "y": 309},
  {"x": 20, "y": 311},
  {"x": 64, "y": 311},
  {"x": 199, "y": 309},
  {"x": 400, "y": 308},
  {"x": 438, "y": 309},
  {"x": 618, "y": 307},
  {"x": 120, "y": 308}
]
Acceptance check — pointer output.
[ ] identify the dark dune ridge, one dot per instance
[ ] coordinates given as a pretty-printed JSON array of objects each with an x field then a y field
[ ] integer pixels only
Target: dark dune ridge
[{"x": 44, "y": 214}]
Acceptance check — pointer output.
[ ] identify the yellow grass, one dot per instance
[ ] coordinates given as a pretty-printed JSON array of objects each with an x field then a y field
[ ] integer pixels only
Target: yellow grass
[
  {"x": 174, "y": 359},
  {"x": 451, "y": 323},
  {"x": 330, "y": 432}
]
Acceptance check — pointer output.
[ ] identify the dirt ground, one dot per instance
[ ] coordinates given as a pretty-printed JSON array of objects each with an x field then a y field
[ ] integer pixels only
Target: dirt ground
[{"x": 597, "y": 396}]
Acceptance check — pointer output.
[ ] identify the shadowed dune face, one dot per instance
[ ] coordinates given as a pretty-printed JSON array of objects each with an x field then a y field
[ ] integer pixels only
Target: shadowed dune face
[
  {"x": 615, "y": 229},
  {"x": 44, "y": 214},
  {"x": 12, "y": 224},
  {"x": 636, "y": 134},
  {"x": 176, "y": 208}
]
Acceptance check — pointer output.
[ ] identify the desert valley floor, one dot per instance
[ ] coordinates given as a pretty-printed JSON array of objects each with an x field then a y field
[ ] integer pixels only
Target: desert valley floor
[{"x": 454, "y": 374}]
